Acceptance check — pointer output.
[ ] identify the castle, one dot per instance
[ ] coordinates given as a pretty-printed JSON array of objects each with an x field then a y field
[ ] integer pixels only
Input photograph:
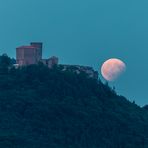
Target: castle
[{"x": 32, "y": 54}]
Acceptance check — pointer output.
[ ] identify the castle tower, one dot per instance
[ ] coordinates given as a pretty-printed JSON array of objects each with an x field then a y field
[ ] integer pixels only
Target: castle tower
[
  {"x": 26, "y": 55},
  {"x": 39, "y": 47}
]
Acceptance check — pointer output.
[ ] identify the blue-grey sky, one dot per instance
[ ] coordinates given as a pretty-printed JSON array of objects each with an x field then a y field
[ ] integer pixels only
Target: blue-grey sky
[{"x": 85, "y": 32}]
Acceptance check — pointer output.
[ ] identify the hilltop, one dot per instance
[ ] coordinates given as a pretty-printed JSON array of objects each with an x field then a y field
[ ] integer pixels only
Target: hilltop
[{"x": 51, "y": 108}]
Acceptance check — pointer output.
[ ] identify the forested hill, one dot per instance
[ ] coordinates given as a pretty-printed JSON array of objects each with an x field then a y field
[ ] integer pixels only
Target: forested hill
[{"x": 49, "y": 108}]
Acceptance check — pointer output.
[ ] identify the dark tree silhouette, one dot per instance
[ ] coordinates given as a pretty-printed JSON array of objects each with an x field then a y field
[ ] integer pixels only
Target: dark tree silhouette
[{"x": 51, "y": 108}]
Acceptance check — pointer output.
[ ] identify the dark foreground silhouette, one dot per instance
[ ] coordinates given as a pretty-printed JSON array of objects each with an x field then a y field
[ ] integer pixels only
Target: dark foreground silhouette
[{"x": 48, "y": 108}]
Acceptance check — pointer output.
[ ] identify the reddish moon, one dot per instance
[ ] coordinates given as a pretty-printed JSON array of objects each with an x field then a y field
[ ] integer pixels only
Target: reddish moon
[{"x": 112, "y": 69}]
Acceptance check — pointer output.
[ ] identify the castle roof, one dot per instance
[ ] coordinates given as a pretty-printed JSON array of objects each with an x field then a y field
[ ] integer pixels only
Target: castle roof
[{"x": 27, "y": 47}]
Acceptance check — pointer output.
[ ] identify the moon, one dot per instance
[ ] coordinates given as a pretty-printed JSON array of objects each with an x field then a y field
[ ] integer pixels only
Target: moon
[{"x": 112, "y": 69}]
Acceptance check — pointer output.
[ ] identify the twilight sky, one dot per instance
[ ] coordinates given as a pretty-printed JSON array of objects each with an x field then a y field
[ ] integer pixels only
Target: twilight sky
[{"x": 85, "y": 32}]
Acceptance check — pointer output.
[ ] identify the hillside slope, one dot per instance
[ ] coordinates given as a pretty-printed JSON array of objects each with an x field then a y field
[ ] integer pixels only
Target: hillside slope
[{"x": 48, "y": 108}]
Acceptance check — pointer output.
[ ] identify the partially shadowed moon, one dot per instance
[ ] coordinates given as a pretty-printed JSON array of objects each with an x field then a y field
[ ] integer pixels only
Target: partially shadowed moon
[{"x": 112, "y": 69}]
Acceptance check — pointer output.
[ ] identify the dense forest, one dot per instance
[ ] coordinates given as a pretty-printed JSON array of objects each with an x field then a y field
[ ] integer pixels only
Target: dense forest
[{"x": 51, "y": 108}]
